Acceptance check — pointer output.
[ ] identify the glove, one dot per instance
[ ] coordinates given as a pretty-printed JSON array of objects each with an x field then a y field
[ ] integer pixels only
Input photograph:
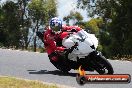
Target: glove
[{"x": 67, "y": 51}]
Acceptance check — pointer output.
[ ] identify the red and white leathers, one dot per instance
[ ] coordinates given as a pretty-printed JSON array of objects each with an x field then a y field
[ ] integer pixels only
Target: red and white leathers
[{"x": 53, "y": 41}]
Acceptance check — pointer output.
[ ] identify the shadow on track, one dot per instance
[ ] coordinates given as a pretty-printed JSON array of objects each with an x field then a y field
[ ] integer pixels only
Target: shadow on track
[{"x": 55, "y": 72}]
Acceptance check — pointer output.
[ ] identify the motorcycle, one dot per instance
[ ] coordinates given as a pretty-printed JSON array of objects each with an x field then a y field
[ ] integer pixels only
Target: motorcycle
[{"x": 83, "y": 52}]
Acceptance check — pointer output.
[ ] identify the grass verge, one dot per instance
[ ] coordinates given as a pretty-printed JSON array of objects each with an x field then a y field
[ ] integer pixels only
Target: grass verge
[{"x": 10, "y": 82}]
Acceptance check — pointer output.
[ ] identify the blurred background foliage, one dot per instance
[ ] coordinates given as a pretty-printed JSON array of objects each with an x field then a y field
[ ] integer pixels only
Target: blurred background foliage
[{"x": 111, "y": 22}]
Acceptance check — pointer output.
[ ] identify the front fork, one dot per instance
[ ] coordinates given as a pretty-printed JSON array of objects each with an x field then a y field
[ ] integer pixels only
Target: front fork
[{"x": 95, "y": 60}]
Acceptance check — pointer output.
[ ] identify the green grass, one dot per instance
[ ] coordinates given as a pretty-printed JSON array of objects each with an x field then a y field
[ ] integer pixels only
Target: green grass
[{"x": 10, "y": 82}]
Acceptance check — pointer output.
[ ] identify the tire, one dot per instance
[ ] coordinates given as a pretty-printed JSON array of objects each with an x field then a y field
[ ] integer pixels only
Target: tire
[
  {"x": 62, "y": 67},
  {"x": 104, "y": 64}
]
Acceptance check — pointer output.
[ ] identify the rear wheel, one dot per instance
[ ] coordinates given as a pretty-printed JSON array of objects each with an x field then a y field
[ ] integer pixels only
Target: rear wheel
[
  {"x": 62, "y": 64},
  {"x": 62, "y": 67}
]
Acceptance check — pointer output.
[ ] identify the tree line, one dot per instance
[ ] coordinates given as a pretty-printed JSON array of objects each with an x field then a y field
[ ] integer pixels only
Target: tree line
[
  {"x": 115, "y": 27},
  {"x": 16, "y": 18}
]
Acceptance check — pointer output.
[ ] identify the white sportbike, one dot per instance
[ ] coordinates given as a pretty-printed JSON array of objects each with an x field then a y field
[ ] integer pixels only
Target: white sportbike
[{"x": 82, "y": 52}]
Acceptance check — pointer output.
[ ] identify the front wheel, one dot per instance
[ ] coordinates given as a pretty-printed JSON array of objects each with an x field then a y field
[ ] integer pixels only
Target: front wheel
[{"x": 102, "y": 65}]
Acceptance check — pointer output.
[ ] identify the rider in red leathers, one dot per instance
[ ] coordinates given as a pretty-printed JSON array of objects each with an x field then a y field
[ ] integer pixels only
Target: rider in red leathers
[{"x": 53, "y": 37}]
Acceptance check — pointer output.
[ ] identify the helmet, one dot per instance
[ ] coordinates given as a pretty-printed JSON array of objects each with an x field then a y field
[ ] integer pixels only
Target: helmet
[{"x": 55, "y": 24}]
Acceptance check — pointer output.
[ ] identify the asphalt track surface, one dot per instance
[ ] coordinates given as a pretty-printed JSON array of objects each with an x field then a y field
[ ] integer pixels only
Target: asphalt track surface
[{"x": 36, "y": 66}]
